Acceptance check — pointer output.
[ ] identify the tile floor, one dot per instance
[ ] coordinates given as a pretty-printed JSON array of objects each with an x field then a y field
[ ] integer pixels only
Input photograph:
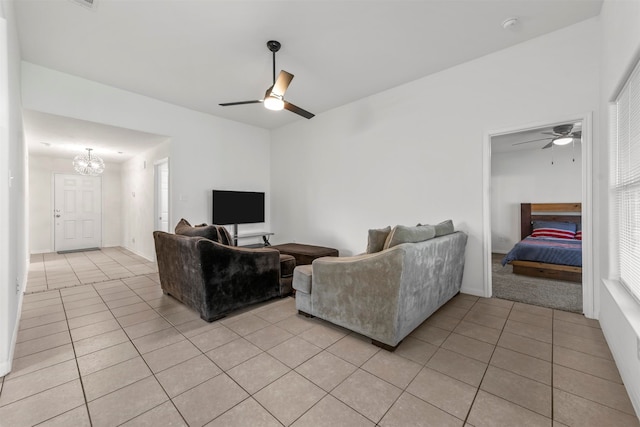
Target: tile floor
[
  {"x": 54, "y": 271},
  {"x": 119, "y": 352}
]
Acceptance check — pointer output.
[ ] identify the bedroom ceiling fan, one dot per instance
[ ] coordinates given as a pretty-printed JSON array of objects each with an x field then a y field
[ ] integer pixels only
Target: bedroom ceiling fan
[
  {"x": 274, "y": 96},
  {"x": 561, "y": 135}
]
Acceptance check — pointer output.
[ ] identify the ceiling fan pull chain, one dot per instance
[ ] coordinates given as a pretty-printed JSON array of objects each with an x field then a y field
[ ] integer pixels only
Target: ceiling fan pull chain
[
  {"x": 552, "y": 153},
  {"x": 573, "y": 150}
]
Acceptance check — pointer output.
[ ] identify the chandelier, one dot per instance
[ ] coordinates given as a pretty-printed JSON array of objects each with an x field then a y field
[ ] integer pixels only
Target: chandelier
[{"x": 86, "y": 164}]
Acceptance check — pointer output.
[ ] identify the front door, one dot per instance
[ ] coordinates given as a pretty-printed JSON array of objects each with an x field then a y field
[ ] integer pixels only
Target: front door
[{"x": 77, "y": 212}]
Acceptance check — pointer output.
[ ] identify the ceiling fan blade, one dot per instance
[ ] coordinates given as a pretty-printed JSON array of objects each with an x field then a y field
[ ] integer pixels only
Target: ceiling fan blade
[
  {"x": 548, "y": 145},
  {"x": 294, "y": 109},
  {"x": 282, "y": 83},
  {"x": 533, "y": 140},
  {"x": 226, "y": 104}
]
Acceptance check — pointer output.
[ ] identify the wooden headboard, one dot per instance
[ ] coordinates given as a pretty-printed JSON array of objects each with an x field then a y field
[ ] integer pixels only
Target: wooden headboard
[{"x": 547, "y": 212}]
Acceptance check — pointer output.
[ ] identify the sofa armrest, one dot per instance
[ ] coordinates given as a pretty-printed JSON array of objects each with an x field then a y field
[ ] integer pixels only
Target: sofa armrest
[
  {"x": 179, "y": 267},
  {"x": 346, "y": 289},
  {"x": 232, "y": 274}
]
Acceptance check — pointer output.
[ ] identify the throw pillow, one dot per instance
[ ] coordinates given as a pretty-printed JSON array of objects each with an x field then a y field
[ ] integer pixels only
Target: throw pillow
[
  {"x": 557, "y": 229},
  {"x": 207, "y": 231},
  {"x": 403, "y": 234},
  {"x": 443, "y": 228},
  {"x": 376, "y": 240},
  {"x": 225, "y": 236}
]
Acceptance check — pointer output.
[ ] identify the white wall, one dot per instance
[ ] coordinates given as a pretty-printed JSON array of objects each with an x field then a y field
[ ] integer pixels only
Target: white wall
[
  {"x": 415, "y": 153},
  {"x": 206, "y": 152},
  {"x": 138, "y": 201},
  {"x": 529, "y": 177},
  {"x": 41, "y": 171},
  {"x": 13, "y": 214},
  {"x": 619, "y": 312}
]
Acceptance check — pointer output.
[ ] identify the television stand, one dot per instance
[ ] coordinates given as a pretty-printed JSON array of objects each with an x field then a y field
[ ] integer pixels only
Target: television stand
[{"x": 264, "y": 234}]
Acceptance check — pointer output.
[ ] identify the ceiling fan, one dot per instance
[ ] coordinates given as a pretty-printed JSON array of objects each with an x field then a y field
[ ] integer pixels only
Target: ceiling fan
[
  {"x": 561, "y": 135},
  {"x": 274, "y": 96}
]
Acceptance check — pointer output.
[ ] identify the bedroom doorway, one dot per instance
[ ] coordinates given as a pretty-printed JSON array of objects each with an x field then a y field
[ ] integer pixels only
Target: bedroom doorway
[{"x": 524, "y": 165}]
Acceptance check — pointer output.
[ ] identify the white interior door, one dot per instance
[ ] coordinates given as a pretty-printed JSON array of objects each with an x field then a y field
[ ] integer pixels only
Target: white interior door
[
  {"x": 162, "y": 195},
  {"x": 77, "y": 212}
]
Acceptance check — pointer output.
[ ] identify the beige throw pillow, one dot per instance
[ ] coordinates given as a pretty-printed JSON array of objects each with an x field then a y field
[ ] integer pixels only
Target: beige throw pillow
[{"x": 377, "y": 238}]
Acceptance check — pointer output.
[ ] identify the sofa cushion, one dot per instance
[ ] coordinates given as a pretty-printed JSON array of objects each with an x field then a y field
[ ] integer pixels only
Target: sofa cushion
[
  {"x": 302, "y": 278},
  {"x": 443, "y": 228},
  {"x": 287, "y": 264},
  {"x": 377, "y": 237},
  {"x": 404, "y": 234},
  {"x": 207, "y": 231},
  {"x": 225, "y": 236}
]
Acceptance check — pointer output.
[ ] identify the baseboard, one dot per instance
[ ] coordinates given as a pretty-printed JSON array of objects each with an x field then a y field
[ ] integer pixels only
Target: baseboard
[
  {"x": 138, "y": 253},
  {"x": 472, "y": 291},
  {"x": 5, "y": 365},
  {"x": 620, "y": 322},
  {"x": 41, "y": 251}
]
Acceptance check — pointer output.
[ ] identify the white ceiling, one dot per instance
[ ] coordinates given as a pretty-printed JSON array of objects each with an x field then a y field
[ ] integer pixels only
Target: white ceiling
[
  {"x": 198, "y": 53},
  {"x": 56, "y": 136}
]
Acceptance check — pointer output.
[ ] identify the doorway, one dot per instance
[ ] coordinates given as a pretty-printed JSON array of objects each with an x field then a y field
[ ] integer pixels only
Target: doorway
[
  {"x": 77, "y": 212},
  {"x": 161, "y": 174},
  {"x": 542, "y": 189}
]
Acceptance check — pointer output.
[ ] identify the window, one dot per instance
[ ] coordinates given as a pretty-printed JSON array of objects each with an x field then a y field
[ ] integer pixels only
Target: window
[{"x": 625, "y": 168}]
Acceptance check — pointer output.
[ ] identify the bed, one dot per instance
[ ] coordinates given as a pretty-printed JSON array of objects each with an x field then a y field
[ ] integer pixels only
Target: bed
[{"x": 546, "y": 256}]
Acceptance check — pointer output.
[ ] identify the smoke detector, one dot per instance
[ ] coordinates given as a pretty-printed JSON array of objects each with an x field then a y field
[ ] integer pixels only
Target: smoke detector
[{"x": 509, "y": 23}]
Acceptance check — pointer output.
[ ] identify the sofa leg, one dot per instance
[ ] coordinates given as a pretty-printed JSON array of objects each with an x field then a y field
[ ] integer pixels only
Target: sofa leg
[
  {"x": 385, "y": 346},
  {"x": 306, "y": 314}
]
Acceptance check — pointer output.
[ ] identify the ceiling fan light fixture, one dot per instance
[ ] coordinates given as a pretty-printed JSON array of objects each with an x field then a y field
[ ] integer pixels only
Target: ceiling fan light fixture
[
  {"x": 273, "y": 103},
  {"x": 563, "y": 140}
]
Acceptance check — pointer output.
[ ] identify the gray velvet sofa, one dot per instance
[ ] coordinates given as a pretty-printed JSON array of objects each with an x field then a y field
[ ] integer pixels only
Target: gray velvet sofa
[
  {"x": 383, "y": 295},
  {"x": 214, "y": 278}
]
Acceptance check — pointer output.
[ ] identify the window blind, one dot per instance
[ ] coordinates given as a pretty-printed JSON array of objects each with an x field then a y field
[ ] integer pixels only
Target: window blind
[{"x": 626, "y": 183}]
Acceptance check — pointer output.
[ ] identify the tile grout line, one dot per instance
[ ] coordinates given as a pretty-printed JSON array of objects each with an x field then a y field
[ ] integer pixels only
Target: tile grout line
[
  {"x": 466, "y": 419},
  {"x": 153, "y": 374},
  {"x": 75, "y": 358},
  {"x": 139, "y": 355}
]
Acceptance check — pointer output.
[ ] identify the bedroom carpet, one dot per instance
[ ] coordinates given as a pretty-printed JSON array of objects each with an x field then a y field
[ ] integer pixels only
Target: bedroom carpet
[{"x": 556, "y": 294}]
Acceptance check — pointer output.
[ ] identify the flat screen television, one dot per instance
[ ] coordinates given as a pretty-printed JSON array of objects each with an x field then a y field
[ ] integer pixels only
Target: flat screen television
[{"x": 237, "y": 207}]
